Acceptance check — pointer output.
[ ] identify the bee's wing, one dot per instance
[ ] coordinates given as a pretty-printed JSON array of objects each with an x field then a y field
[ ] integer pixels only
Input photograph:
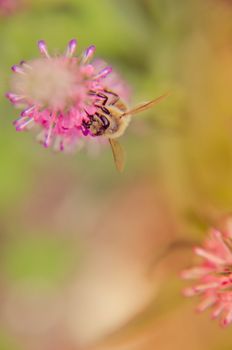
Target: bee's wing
[
  {"x": 118, "y": 154},
  {"x": 144, "y": 106}
]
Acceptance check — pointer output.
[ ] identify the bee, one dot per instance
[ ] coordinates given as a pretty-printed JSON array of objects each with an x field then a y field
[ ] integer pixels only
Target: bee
[{"x": 112, "y": 119}]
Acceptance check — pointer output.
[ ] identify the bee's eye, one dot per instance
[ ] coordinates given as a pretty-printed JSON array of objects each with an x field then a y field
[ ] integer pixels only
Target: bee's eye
[{"x": 105, "y": 121}]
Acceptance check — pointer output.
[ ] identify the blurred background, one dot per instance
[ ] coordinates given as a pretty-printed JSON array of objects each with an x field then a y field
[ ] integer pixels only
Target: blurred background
[{"x": 82, "y": 253}]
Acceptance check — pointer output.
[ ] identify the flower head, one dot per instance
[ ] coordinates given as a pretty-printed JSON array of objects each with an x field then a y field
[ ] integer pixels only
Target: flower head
[
  {"x": 7, "y": 7},
  {"x": 214, "y": 275},
  {"x": 58, "y": 93}
]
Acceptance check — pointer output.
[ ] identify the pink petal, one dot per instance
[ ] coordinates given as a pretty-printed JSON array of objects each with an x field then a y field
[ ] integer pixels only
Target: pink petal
[
  {"x": 195, "y": 272},
  {"x": 209, "y": 256},
  {"x": 206, "y": 303},
  {"x": 227, "y": 319}
]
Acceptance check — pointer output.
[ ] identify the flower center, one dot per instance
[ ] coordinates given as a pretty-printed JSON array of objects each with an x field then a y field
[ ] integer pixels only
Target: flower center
[{"x": 48, "y": 83}]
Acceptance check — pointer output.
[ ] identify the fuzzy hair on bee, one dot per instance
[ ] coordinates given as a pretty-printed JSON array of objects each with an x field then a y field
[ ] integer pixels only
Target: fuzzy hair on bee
[{"x": 112, "y": 119}]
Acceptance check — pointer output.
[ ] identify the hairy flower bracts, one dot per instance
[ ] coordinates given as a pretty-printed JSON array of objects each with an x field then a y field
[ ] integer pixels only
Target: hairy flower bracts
[
  {"x": 56, "y": 93},
  {"x": 214, "y": 275}
]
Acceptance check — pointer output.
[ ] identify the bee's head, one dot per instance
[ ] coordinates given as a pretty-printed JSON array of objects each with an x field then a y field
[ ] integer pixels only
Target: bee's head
[{"x": 96, "y": 124}]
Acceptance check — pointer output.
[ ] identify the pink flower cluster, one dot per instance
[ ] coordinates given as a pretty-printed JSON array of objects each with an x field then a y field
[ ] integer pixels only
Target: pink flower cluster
[
  {"x": 214, "y": 275},
  {"x": 58, "y": 93},
  {"x": 7, "y": 7}
]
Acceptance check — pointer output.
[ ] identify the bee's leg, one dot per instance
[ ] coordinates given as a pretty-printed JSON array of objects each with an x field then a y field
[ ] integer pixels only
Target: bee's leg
[
  {"x": 100, "y": 95},
  {"x": 116, "y": 101},
  {"x": 115, "y": 96},
  {"x": 88, "y": 115},
  {"x": 104, "y": 109},
  {"x": 104, "y": 98}
]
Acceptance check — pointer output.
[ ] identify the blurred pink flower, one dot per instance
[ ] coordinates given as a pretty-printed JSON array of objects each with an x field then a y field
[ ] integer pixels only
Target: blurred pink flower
[
  {"x": 59, "y": 93},
  {"x": 214, "y": 275},
  {"x": 7, "y": 7}
]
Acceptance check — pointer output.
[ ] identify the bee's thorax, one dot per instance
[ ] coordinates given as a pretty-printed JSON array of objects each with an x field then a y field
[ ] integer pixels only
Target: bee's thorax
[{"x": 107, "y": 120}]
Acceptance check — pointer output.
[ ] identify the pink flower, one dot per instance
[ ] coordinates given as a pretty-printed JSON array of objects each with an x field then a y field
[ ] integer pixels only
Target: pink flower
[
  {"x": 59, "y": 93},
  {"x": 7, "y": 7},
  {"x": 214, "y": 275}
]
